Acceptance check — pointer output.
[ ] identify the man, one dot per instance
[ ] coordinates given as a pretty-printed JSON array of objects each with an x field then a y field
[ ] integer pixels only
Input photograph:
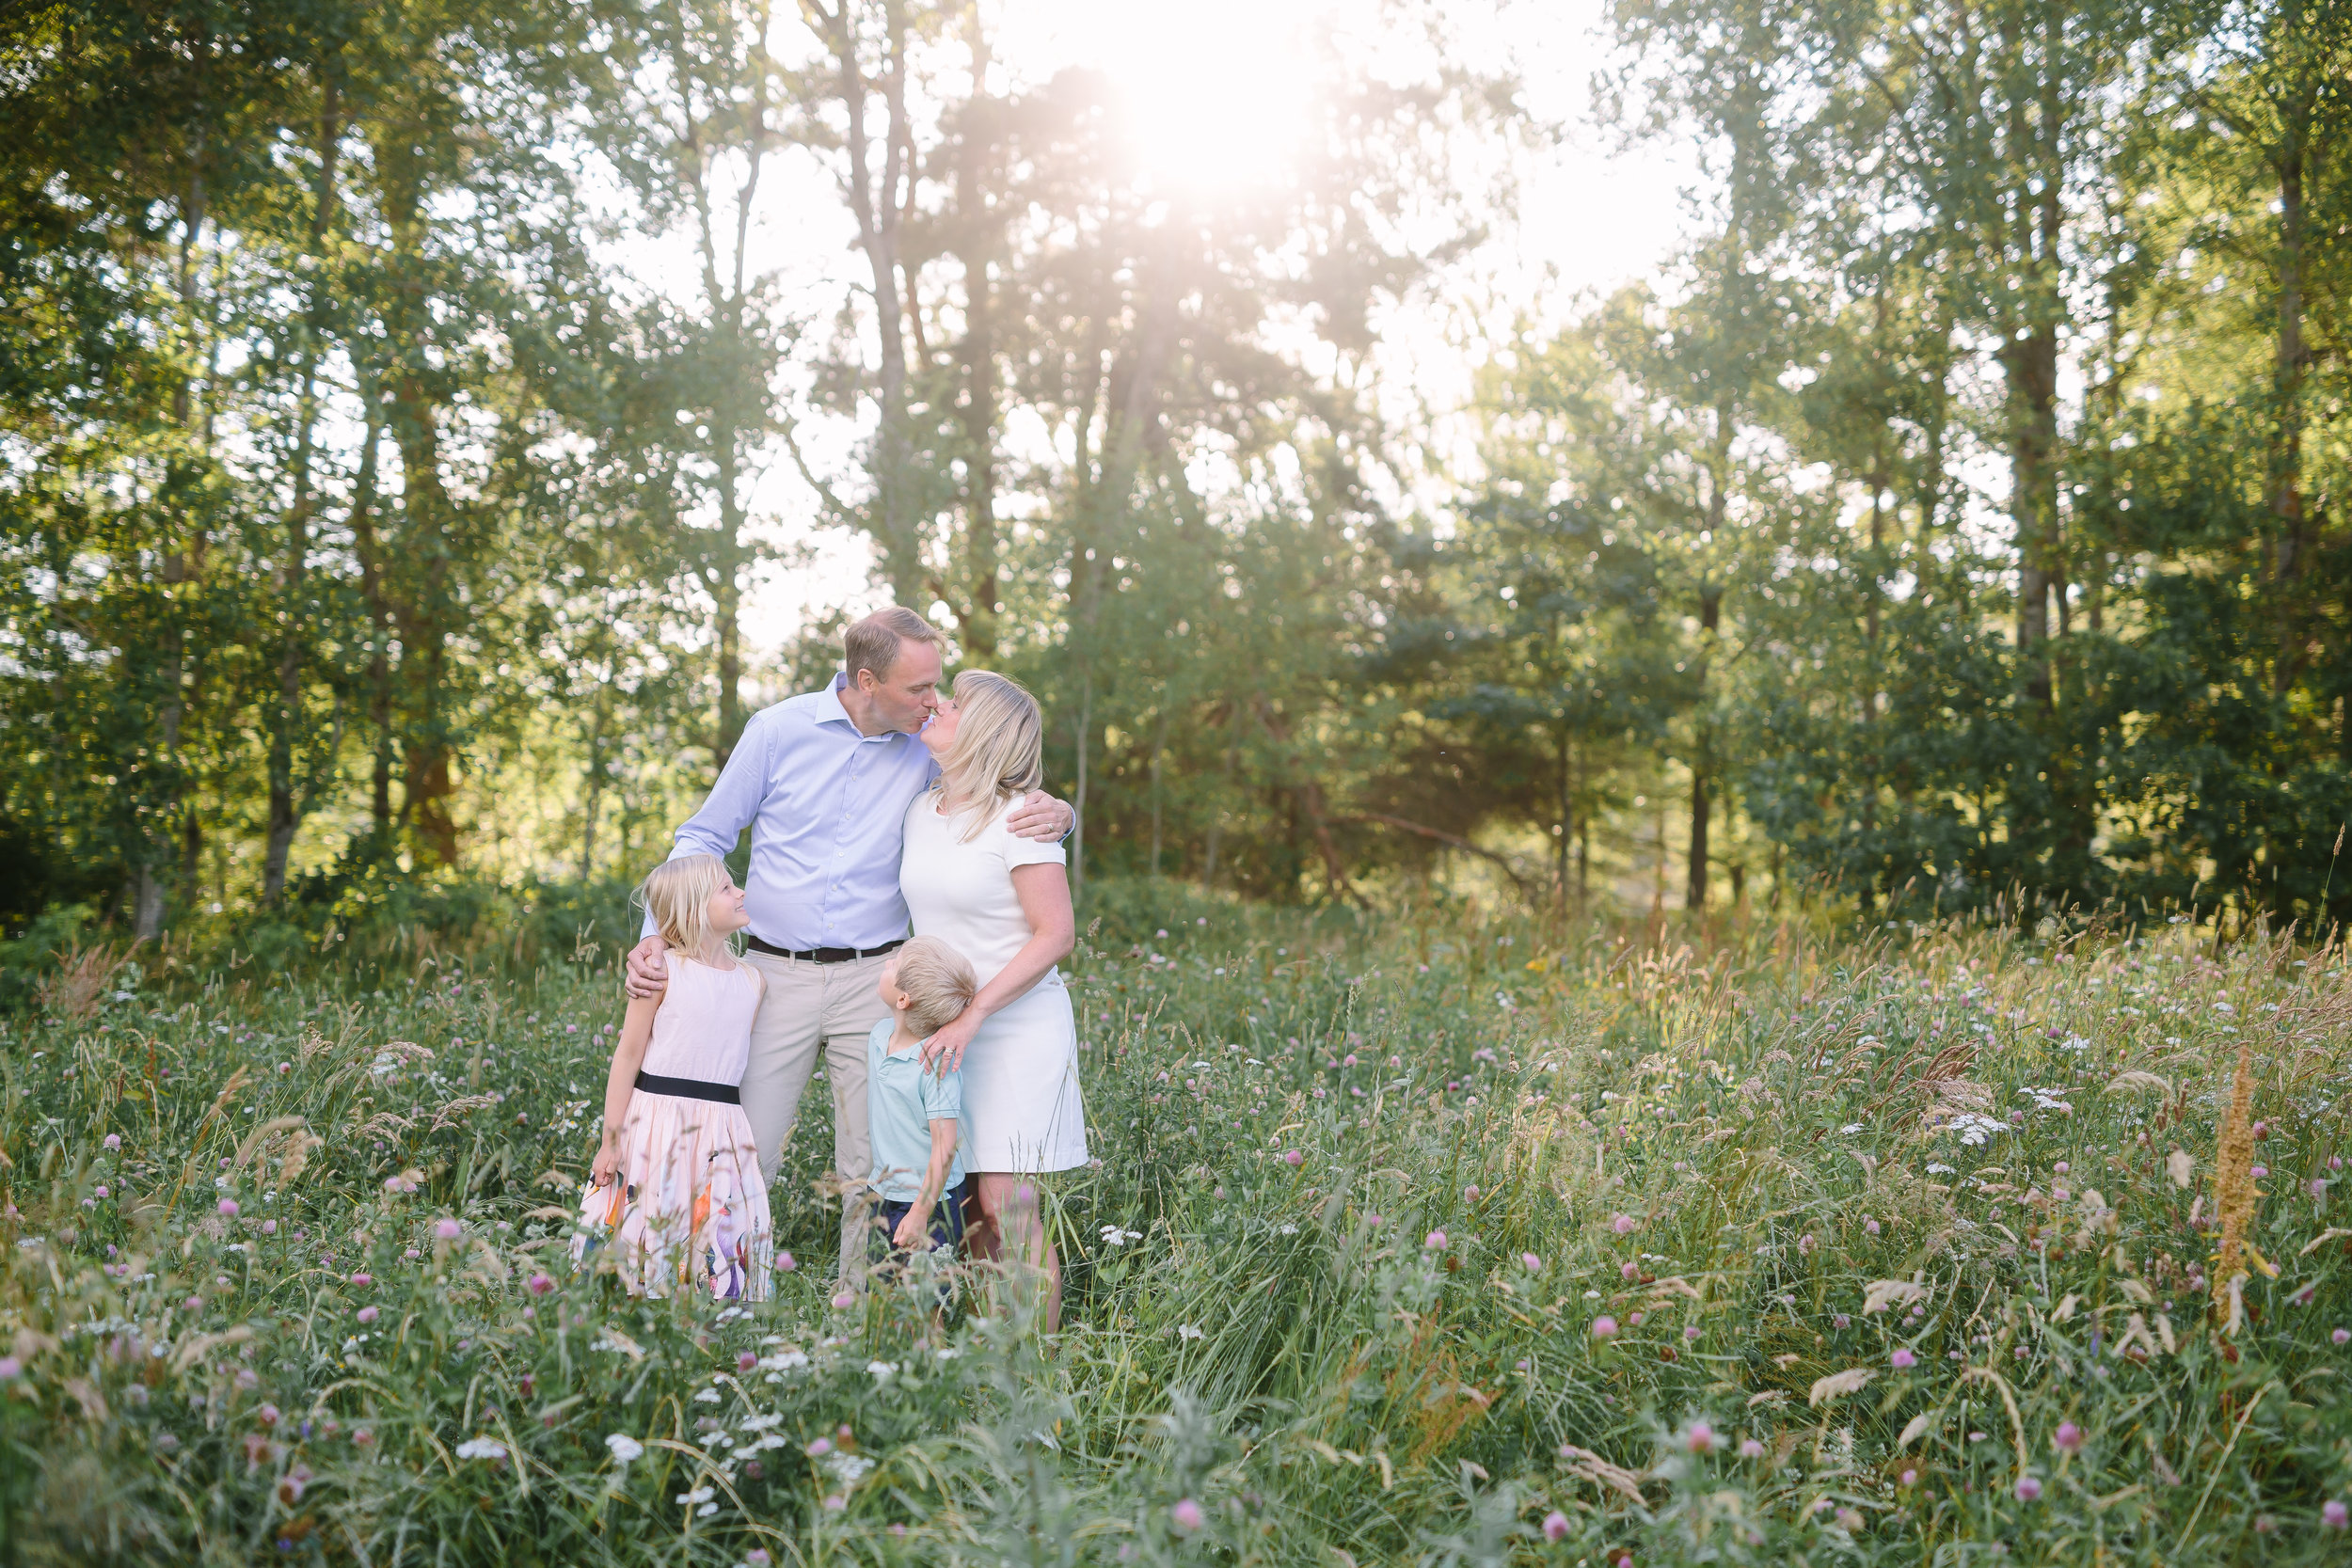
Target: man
[{"x": 823, "y": 780}]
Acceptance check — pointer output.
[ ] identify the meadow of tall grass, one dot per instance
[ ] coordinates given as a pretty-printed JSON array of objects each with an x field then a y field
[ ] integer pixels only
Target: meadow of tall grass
[{"x": 1426, "y": 1239}]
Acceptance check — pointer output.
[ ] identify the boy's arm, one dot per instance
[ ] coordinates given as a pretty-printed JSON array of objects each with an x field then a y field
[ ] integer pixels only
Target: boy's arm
[{"x": 918, "y": 1223}]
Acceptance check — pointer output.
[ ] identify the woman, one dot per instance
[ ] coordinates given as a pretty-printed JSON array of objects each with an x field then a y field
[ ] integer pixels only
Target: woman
[{"x": 1002, "y": 901}]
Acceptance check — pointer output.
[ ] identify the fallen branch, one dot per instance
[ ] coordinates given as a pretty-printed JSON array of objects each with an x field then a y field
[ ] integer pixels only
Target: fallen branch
[{"x": 1453, "y": 841}]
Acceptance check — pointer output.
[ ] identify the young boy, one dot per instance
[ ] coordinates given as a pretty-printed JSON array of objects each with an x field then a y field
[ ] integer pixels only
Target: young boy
[{"x": 913, "y": 1116}]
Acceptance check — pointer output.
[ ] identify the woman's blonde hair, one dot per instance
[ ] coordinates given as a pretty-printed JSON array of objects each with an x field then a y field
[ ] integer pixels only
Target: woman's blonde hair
[
  {"x": 939, "y": 982},
  {"x": 677, "y": 896},
  {"x": 999, "y": 749}
]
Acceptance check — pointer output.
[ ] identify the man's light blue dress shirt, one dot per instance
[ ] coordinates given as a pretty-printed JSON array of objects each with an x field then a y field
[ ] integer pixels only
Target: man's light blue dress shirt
[{"x": 827, "y": 808}]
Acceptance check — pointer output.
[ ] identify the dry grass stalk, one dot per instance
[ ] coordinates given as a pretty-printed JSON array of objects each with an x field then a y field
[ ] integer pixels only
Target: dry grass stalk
[
  {"x": 81, "y": 982},
  {"x": 2234, "y": 1174}
]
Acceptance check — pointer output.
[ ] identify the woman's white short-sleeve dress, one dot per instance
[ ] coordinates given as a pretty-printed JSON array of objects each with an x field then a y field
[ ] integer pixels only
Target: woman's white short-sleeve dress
[{"x": 1021, "y": 1110}]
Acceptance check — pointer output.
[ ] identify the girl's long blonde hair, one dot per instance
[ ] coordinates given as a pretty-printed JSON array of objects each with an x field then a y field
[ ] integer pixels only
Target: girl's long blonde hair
[
  {"x": 999, "y": 749},
  {"x": 677, "y": 896}
]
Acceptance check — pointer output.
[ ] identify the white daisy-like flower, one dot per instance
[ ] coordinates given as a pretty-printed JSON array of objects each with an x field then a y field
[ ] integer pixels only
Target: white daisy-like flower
[
  {"x": 626, "y": 1450},
  {"x": 1186, "y": 1331},
  {"x": 700, "y": 1495},
  {"x": 881, "y": 1369},
  {"x": 481, "y": 1448}
]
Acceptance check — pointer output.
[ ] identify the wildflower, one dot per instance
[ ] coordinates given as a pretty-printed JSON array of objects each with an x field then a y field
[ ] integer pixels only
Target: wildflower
[
  {"x": 1848, "y": 1519},
  {"x": 1841, "y": 1320},
  {"x": 364, "y": 1280},
  {"x": 2319, "y": 1188},
  {"x": 447, "y": 1229},
  {"x": 1555, "y": 1525},
  {"x": 626, "y": 1450},
  {"x": 1435, "y": 1241},
  {"x": 1531, "y": 1262},
  {"x": 295, "y": 1483},
  {"x": 819, "y": 1448},
  {"x": 367, "y": 1314},
  {"x": 1630, "y": 1271},
  {"x": 2342, "y": 1336},
  {"x": 1751, "y": 1449},
  {"x": 1604, "y": 1328},
  {"x": 268, "y": 1415},
  {"x": 2027, "y": 1489},
  {"x": 1904, "y": 1359},
  {"x": 10, "y": 1368},
  {"x": 269, "y": 1228},
  {"x": 1870, "y": 1225},
  {"x": 1187, "y": 1331},
  {"x": 1622, "y": 1224},
  {"x": 229, "y": 1207},
  {"x": 1691, "y": 1333},
  {"x": 2061, "y": 1167},
  {"x": 481, "y": 1448},
  {"x": 1910, "y": 1478},
  {"x": 1293, "y": 1158},
  {"x": 846, "y": 1300},
  {"x": 2069, "y": 1437},
  {"x": 363, "y": 1438},
  {"x": 113, "y": 1140},
  {"x": 538, "y": 1285},
  {"x": 2333, "y": 1514},
  {"x": 1185, "y": 1516},
  {"x": 745, "y": 1361},
  {"x": 785, "y": 1262},
  {"x": 1701, "y": 1438}
]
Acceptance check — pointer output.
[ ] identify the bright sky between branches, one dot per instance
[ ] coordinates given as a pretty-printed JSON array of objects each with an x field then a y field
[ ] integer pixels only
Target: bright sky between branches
[{"x": 1216, "y": 89}]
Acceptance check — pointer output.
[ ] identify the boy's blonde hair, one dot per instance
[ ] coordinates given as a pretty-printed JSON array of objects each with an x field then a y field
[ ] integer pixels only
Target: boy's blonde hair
[
  {"x": 677, "y": 896},
  {"x": 999, "y": 749},
  {"x": 939, "y": 982}
]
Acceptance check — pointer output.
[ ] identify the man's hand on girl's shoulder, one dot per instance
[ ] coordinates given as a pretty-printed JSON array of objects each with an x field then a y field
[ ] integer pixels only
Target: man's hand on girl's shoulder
[
  {"x": 648, "y": 970},
  {"x": 1043, "y": 818}
]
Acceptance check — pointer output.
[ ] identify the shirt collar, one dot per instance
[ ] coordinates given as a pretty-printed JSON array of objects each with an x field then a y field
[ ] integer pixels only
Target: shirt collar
[{"x": 831, "y": 711}]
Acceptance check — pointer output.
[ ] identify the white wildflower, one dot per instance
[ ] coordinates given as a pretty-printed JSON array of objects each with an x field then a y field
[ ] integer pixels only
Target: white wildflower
[
  {"x": 481, "y": 1448},
  {"x": 626, "y": 1450}
]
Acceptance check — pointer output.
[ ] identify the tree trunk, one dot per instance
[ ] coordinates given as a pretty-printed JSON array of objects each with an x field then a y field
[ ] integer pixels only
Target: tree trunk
[
  {"x": 1086, "y": 748},
  {"x": 877, "y": 208},
  {"x": 2291, "y": 364},
  {"x": 596, "y": 783},
  {"x": 1564, "y": 827},
  {"x": 1702, "y": 754},
  {"x": 982, "y": 595},
  {"x": 1159, "y": 748},
  {"x": 285, "y": 816},
  {"x": 379, "y": 671}
]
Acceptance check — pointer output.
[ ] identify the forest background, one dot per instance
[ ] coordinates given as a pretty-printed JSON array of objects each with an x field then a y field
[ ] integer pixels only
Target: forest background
[{"x": 1957, "y": 517}]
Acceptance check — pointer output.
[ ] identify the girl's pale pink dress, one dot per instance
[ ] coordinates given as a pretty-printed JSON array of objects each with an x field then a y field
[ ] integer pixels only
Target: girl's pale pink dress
[{"x": 690, "y": 1209}]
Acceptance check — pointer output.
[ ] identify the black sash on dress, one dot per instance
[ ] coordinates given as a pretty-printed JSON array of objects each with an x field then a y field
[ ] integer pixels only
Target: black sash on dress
[{"x": 689, "y": 1088}]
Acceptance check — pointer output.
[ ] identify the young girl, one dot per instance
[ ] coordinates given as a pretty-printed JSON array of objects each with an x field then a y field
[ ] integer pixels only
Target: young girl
[
  {"x": 676, "y": 1190},
  {"x": 915, "y": 1113}
]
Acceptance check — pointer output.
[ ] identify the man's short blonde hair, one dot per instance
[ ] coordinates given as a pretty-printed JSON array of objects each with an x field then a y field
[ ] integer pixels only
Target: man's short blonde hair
[
  {"x": 873, "y": 643},
  {"x": 939, "y": 982}
]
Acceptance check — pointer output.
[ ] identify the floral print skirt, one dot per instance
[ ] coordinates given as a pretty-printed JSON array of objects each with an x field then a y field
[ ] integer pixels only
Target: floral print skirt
[{"x": 690, "y": 1208}]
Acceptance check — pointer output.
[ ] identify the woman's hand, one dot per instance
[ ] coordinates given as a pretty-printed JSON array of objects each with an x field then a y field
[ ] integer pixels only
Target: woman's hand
[
  {"x": 944, "y": 1052},
  {"x": 608, "y": 1165},
  {"x": 913, "y": 1230}
]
